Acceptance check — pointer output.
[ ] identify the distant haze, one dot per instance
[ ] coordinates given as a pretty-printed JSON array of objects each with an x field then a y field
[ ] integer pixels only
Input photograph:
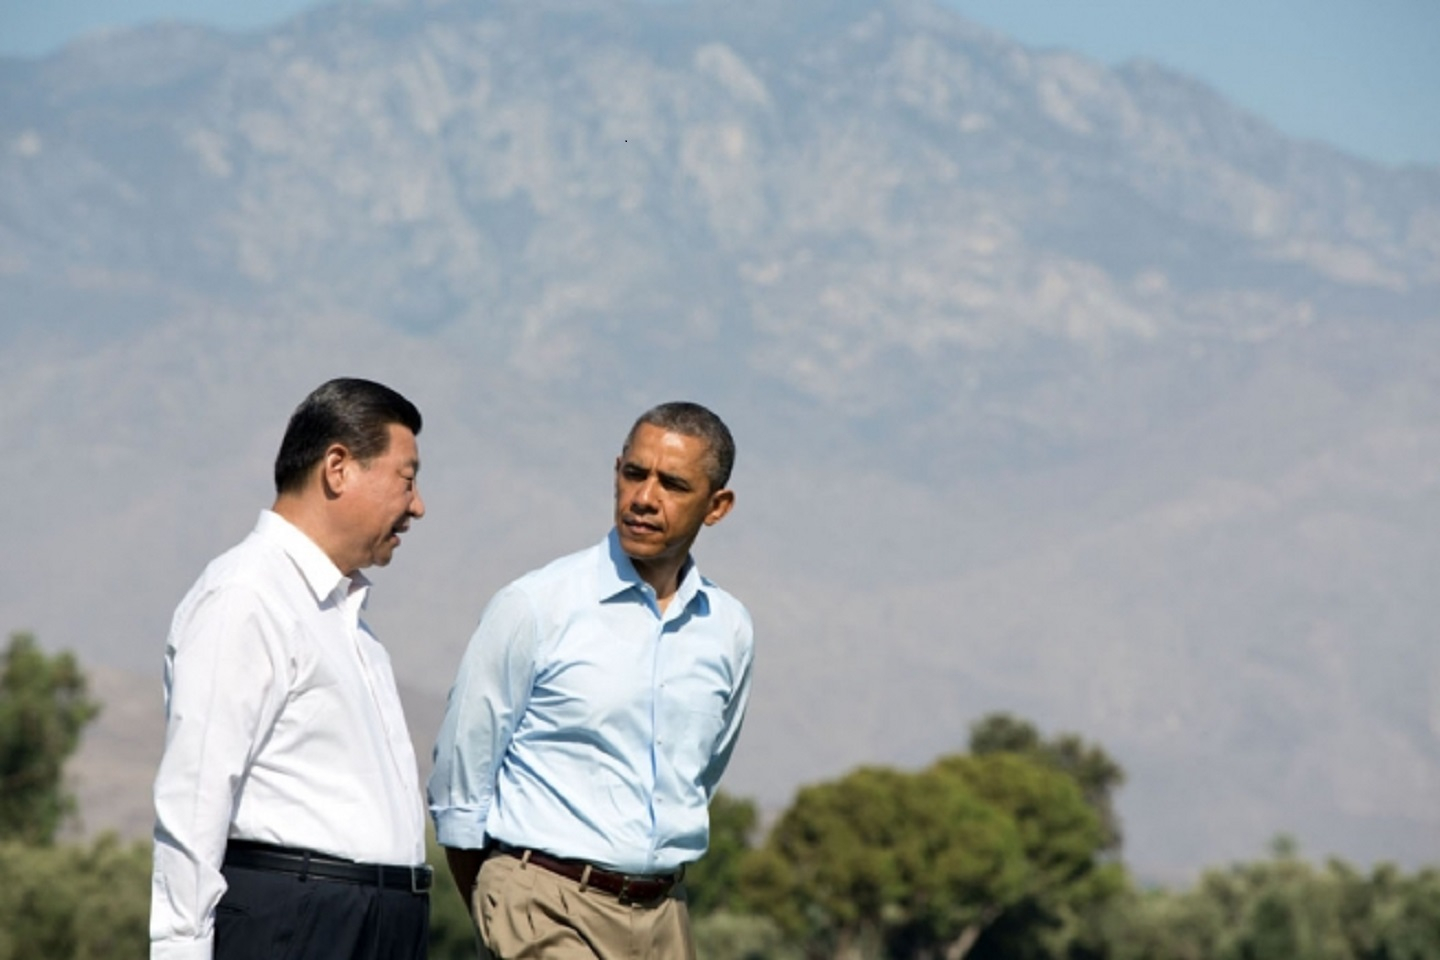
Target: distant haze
[{"x": 1059, "y": 389}]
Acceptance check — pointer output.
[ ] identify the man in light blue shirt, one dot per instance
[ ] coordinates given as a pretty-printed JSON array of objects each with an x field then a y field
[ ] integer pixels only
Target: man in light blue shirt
[{"x": 595, "y": 709}]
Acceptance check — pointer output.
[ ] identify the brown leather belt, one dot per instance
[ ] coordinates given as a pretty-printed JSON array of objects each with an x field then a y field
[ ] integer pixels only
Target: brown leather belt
[{"x": 627, "y": 887}]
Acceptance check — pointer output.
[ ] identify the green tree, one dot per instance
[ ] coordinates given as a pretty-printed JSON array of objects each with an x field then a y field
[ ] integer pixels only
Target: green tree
[
  {"x": 1097, "y": 773},
  {"x": 713, "y": 883},
  {"x": 1410, "y": 929},
  {"x": 1281, "y": 908},
  {"x": 74, "y": 901},
  {"x": 1061, "y": 840},
  {"x": 44, "y": 707},
  {"x": 1155, "y": 924},
  {"x": 722, "y": 935},
  {"x": 882, "y": 859},
  {"x": 1387, "y": 915}
]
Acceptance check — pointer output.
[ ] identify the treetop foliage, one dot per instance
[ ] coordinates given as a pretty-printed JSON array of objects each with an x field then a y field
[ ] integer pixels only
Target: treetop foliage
[
  {"x": 924, "y": 862},
  {"x": 44, "y": 707},
  {"x": 1097, "y": 773}
]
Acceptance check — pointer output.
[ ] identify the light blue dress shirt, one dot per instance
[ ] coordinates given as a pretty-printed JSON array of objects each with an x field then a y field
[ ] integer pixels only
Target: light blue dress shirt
[{"x": 586, "y": 723}]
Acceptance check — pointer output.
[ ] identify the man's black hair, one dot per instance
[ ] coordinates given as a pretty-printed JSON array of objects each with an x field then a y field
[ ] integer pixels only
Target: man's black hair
[
  {"x": 693, "y": 420},
  {"x": 354, "y": 413}
]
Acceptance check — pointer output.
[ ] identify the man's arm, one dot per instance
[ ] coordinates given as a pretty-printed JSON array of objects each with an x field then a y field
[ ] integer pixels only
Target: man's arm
[
  {"x": 491, "y": 694},
  {"x": 465, "y": 867},
  {"x": 222, "y": 691},
  {"x": 734, "y": 710}
]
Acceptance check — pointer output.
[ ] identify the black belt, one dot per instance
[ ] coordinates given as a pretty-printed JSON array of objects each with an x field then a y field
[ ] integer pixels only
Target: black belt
[
  {"x": 252, "y": 855},
  {"x": 627, "y": 887}
]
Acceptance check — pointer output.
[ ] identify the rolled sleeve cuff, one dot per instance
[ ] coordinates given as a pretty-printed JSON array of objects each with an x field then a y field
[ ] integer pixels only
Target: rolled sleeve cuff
[
  {"x": 202, "y": 949},
  {"x": 459, "y": 827}
]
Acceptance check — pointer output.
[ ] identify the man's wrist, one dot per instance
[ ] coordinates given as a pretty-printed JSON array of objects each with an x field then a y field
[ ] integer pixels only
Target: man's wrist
[{"x": 459, "y": 829}]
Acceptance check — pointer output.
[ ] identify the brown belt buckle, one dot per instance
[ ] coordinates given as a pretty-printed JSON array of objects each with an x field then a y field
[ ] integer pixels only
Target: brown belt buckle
[{"x": 624, "y": 895}]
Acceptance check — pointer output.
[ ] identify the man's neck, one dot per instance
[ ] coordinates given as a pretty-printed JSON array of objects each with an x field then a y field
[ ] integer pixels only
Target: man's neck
[
  {"x": 303, "y": 517},
  {"x": 663, "y": 577}
]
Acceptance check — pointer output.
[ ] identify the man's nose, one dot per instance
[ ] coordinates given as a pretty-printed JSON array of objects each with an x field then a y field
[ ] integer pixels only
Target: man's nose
[
  {"x": 417, "y": 505},
  {"x": 644, "y": 496}
]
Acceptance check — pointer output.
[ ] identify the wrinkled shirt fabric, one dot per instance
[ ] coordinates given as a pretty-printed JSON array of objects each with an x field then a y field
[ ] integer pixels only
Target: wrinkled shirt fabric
[{"x": 586, "y": 723}]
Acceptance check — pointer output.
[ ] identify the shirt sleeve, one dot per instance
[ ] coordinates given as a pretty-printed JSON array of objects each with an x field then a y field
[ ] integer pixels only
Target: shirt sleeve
[
  {"x": 491, "y": 693},
  {"x": 734, "y": 709},
  {"x": 225, "y": 669}
]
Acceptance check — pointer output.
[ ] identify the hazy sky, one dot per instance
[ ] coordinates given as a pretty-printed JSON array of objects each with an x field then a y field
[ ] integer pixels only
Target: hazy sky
[{"x": 1361, "y": 74}]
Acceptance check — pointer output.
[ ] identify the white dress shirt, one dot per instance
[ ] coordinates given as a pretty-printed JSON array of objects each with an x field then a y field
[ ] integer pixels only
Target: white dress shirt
[{"x": 283, "y": 725}]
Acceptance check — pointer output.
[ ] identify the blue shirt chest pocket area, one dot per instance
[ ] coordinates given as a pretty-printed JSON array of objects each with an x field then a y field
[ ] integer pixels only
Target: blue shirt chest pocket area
[{"x": 692, "y": 719}]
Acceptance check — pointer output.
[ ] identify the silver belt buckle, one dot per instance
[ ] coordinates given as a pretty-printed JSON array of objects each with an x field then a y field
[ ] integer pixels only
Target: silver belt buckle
[{"x": 416, "y": 874}]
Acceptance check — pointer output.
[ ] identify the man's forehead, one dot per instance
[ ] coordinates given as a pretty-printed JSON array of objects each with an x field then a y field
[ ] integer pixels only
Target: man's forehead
[
  {"x": 649, "y": 435},
  {"x": 670, "y": 448}
]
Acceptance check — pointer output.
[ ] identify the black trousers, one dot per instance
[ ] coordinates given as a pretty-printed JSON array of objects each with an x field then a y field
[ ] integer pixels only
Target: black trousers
[{"x": 278, "y": 916}]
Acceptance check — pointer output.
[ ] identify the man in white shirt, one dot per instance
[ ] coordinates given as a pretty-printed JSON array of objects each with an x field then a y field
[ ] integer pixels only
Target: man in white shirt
[{"x": 288, "y": 816}]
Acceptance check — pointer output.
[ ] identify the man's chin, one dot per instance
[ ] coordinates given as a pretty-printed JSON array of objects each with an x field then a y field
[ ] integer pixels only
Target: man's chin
[{"x": 641, "y": 554}]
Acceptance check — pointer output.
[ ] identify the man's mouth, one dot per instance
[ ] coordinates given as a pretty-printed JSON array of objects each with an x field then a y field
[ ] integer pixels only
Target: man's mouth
[{"x": 640, "y": 526}]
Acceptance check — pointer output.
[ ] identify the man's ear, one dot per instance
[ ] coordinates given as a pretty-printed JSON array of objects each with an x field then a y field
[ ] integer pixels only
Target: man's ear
[
  {"x": 720, "y": 503},
  {"x": 335, "y": 468}
]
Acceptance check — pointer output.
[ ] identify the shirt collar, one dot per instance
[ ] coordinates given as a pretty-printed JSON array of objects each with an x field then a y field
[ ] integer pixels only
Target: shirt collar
[
  {"x": 615, "y": 574},
  {"x": 319, "y": 572}
]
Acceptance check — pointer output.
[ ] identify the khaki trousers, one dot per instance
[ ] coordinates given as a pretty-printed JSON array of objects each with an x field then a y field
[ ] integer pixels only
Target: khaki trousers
[{"x": 525, "y": 912}]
